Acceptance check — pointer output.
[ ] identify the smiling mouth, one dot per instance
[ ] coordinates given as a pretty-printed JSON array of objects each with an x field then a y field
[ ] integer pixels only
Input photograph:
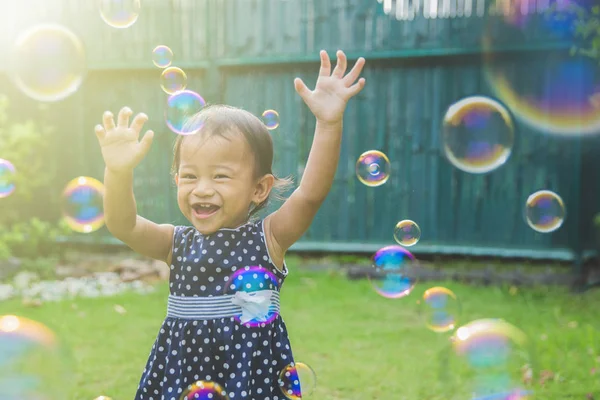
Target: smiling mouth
[{"x": 204, "y": 210}]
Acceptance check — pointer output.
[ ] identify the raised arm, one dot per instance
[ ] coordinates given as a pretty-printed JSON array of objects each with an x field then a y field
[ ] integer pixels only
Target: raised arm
[
  {"x": 122, "y": 152},
  {"x": 328, "y": 103}
]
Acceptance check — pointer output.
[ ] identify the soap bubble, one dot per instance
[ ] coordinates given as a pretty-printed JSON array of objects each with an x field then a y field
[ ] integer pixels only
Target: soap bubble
[
  {"x": 180, "y": 108},
  {"x": 271, "y": 119},
  {"x": 83, "y": 204},
  {"x": 119, "y": 13},
  {"x": 440, "y": 309},
  {"x": 544, "y": 211},
  {"x": 562, "y": 97},
  {"x": 173, "y": 80},
  {"x": 260, "y": 287},
  {"x": 48, "y": 62},
  {"x": 7, "y": 178},
  {"x": 33, "y": 364},
  {"x": 162, "y": 56},
  {"x": 487, "y": 360},
  {"x": 373, "y": 168},
  {"x": 297, "y": 381},
  {"x": 407, "y": 233},
  {"x": 394, "y": 272},
  {"x": 204, "y": 390},
  {"x": 478, "y": 134}
]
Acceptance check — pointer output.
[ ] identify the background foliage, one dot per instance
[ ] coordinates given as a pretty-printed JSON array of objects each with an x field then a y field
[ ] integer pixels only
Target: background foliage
[
  {"x": 587, "y": 30},
  {"x": 29, "y": 218}
]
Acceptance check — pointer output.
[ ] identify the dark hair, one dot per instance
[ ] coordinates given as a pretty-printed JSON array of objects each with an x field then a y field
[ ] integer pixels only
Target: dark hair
[{"x": 221, "y": 119}]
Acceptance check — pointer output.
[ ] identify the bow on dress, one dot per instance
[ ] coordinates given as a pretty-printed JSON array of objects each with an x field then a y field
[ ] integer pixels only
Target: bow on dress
[{"x": 255, "y": 305}]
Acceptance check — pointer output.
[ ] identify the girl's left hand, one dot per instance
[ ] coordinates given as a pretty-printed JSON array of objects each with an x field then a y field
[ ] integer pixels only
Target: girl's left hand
[{"x": 333, "y": 90}]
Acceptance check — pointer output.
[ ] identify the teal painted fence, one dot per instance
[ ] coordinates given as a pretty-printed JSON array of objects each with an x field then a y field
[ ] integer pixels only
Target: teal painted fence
[{"x": 247, "y": 52}]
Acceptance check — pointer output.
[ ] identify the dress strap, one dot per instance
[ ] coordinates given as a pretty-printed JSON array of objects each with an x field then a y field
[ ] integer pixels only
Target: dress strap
[{"x": 247, "y": 306}]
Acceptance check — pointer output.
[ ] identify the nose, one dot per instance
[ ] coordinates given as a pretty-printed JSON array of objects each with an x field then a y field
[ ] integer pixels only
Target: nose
[{"x": 203, "y": 188}]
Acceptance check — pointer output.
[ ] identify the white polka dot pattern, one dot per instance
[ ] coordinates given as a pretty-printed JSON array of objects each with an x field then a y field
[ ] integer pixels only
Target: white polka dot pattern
[{"x": 245, "y": 360}]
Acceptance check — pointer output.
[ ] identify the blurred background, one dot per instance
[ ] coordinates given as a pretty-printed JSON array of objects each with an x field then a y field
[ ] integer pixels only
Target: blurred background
[
  {"x": 537, "y": 60},
  {"x": 422, "y": 57}
]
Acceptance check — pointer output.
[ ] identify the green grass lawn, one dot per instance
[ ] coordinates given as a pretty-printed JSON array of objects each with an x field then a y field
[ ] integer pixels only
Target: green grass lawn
[{"x": 361, "y": 346}]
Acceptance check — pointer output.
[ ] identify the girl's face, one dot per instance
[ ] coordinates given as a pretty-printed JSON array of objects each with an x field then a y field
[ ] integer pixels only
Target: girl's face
[{"x": 216, "y": 183}]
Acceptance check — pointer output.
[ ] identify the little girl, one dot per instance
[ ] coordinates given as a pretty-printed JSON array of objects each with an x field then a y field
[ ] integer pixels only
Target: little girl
[{"x": 223, "y": 176}]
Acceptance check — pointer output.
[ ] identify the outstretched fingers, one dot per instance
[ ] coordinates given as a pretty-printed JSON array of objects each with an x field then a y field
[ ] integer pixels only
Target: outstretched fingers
[
  {"x": 138, "y": 123},
  {"x": 354, "y": 72},
  {"x": 301, "y": 88},
  {"x": 325, "y": 64},
  {"x": 108, "y": 121},
  {"x": 144, "y": 145},
  {"x": 357, "y": 87},
  {"x": 100, "y": 132},
  {"x": 341, "y": 64},
  {"x": 123, "y": 118}
]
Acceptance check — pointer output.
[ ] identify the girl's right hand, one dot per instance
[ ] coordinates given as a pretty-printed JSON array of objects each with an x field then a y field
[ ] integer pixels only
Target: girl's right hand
[{"x": 121, "y": 149}]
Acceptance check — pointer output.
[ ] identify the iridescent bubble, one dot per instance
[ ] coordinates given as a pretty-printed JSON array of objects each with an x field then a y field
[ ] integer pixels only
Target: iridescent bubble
[
  {"x": 297, "y": 381},
  {"x": 394, "y": 272},
  {"x": 173, "y": 80},
  {"x": 82, "y": 204},
  {"x": 271, "y": 119},
  {"x": 489, "y": 356},
  {"x": 162, "y": 56},
  {"x": 48, "y": 62},
  {"x": 181, "y": 107},
  {"x": 373, "y": 168},
  {"x": 7, "y": 178},
  {"x": 478, "y": 134},
  {"x": 33, "y": 364},
  {"x": 407, "y": 233},
  {"x": 544, "y": 211},
  {"x": 119, "y": 13},
  {"x": 440, "y": 309},
  {"x": 561, "y": 98},
  {"x": 255, "y": 291},
  {"x": 204, "y": 390}
]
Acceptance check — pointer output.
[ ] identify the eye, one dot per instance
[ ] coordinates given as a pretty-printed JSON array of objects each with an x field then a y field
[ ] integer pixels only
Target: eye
[
  {"x": 221, "y": 176},
  {"x": 188, "y": 176}
]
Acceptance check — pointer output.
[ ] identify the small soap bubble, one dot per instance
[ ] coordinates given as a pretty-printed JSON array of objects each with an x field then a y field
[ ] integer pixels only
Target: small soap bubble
[
  {"x": 297, "y": 381},
  {"x": 489, "y": 355},
  {"x": 82, "y": 204},
  {"x": 102, "y": 398},
  {"x": 181, "y": 107},
  {"x": 440, "y": 309},
  {"x": 478, "y": 134},
  {"x": 48, "y": 62},
  {"x": 253, "y": 289},
  {"x": 271, "y": 119},
  {"x": 119, "y": 13},
  {"x": 173, "y": 80},
  {"x": 162, "y": 56},
  {"x": 394, "y": 272},
  {"x": 407, "y": 233},
  {"x": 7, "y": 178},
  {"x": 544, "y": 211},
  {"x": 373, "y": 168},
  {"x": 33, "y": 363},
  {"x": 204, "y": 390}
]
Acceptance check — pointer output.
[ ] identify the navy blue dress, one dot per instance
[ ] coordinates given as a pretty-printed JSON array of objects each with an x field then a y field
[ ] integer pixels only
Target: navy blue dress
[{"x": 212, "y": 334}]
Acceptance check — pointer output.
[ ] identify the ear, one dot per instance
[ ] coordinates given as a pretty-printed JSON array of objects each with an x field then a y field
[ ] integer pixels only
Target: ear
[
  {"x": 263, "y": 188},
  {"x": 176, "y": 179}
]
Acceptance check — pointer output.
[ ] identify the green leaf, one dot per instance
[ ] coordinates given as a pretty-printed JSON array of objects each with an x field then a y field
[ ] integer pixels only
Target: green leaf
[{"x": 573, "y": 50}]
